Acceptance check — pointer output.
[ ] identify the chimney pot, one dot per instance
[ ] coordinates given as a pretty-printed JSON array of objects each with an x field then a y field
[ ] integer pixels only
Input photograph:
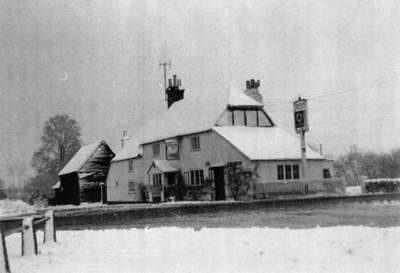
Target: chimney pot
[
  {"x": 170, "y": 82},
  {"x": 174, "y": 80}
]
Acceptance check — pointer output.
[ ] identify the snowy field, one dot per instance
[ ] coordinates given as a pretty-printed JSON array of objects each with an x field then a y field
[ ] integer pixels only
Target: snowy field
[{"x": 173, "y": 249}]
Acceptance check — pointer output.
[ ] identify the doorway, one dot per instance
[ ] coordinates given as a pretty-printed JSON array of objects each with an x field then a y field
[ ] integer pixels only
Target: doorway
[{"x": 219, "y": 179}]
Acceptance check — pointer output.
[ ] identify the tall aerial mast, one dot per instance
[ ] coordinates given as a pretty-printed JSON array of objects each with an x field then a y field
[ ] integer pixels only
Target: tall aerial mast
[{"x": 164, "y": 62}]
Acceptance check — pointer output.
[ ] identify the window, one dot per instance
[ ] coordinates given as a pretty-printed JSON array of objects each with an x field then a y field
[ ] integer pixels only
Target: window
[
  {"x": 116, "y": 184},
  {"x": 196, "y": 177},
  {"x": 326, "y": 173},
  {"x": 263, "y": 121},
  {"x": 195, "y": 143},
  {"x": 157, "y": 179},
  {"x": 251, "y": 118},
  {"x": 156, "y": 149},
  {"x": 288, "y": 171},
  {"x": 280, "y": 172},
  {"x": 131, "y": 187},
  {"x": 130, "y": 163},
  {"x": 186, "y": 177},
  {"x": 239, "y": 117},
  {"x": 296, "y": 174}
]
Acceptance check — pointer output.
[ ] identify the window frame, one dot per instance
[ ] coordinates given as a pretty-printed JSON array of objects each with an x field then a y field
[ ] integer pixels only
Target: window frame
[
  {"x": 156, "y": 149},
  {"x": 328, "y": 171},
  {"x": 130, "y": 165},
  {"x": 195, "y": 144},
  {"x": 280, "y": 172},
  {"x": 196, "y": 178},
  {"x": 296, "y": 174},
  {"x": 157, "y": 180},
  {"x": 131, "y": 187}
]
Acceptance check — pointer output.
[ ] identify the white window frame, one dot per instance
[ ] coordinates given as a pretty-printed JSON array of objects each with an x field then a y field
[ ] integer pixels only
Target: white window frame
[
  {"x": 131, "y": 187},
  {"x": 130, "y": 165},
  {"x": 195, "y": 143}
]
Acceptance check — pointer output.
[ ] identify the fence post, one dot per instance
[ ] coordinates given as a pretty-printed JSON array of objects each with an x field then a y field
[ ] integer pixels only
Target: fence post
[
  {"x": 49, "y": 228},
  {"x": 4, "y": 265},
  {"x": 29, "y": 245}
]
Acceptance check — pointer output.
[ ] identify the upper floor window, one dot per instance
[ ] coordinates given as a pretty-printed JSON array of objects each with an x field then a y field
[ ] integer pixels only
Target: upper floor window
[
  {"x": 195, "y": 143},
  {"x": 130, "y": 165},
  {"x": 251, "y": 118},
  {"x": 156, "y": 149}
]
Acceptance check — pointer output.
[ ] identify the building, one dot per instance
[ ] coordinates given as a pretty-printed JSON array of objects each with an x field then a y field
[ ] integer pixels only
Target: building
[
  {"x": 82, "y": 178},
  {"x": 195, "y": 139}
]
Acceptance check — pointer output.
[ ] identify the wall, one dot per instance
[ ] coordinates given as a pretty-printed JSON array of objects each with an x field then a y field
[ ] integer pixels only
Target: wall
[
  {"x": 119, "y": 172},
  {"x": 267, "y": 170}
]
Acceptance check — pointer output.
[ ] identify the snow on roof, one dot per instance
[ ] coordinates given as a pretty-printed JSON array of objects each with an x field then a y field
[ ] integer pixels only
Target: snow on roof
[
  {"x": 57, "y": 185},
  {"x": 265, "y": 143},
  {"x": 164, "y": 166},
  {"x": 195, "y": 113},
  {"x": 131, "y": 149},
  {"x": 239, "y": 98},
  {"x": 80, "y": 158}
]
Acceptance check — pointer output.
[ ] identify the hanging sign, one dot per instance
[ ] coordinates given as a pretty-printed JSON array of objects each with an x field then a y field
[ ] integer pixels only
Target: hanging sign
[
  {"x": 300, "y": 115},
  {"x": 172, "y": 149}
]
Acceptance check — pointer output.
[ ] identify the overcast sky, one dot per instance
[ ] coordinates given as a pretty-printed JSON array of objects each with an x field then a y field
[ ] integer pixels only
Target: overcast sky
[{"x": 98, "y": 62}]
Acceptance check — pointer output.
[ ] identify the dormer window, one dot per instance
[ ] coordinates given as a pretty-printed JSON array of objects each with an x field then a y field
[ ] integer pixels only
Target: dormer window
[{"x": 248, "y": 117}]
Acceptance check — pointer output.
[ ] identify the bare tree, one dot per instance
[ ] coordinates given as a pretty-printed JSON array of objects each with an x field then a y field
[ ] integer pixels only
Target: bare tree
[{"x": 60, "y": 141}]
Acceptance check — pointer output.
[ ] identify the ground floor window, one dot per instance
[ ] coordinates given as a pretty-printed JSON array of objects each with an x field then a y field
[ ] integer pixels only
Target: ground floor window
[
  {"x": 288, "y": 172},
  {"x": 326, "y": 173},
  {"x": 157, "y": 179},
  {"x": 186, "y": 177},
  {"x": 131, "y": 187},
  {"x": 196, "y": 177}
]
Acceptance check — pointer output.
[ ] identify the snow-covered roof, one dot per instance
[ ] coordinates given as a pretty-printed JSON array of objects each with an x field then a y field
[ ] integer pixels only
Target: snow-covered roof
[
  {"x": 190, "y": 115},
  {"x": 57, "y": 185},
  {"x": 264, "y": 143},
  {"x": 164, "y": 166},
  {"x": 131, "y": 149},
  {"x": 239, "y": 98},
  {"x": 81, "y": 157}
]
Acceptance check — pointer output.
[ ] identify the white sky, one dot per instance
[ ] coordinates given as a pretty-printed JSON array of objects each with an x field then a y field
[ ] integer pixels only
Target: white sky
[{"x": 98, "y": 62}]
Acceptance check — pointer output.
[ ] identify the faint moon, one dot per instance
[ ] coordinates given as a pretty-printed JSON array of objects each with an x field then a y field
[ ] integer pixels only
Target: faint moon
[{"x": 65, "y": 77}]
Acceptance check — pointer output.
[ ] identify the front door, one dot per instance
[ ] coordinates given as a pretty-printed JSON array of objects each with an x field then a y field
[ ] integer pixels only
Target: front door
[{"x": 219, "y": 179}]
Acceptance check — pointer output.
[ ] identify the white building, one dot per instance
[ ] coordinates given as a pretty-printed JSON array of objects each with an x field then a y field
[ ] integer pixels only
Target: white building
[{"x": 197, "y": 137}]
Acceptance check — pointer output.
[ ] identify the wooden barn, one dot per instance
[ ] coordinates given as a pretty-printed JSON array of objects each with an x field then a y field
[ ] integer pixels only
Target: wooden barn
[{"x": 82, "y": 178}]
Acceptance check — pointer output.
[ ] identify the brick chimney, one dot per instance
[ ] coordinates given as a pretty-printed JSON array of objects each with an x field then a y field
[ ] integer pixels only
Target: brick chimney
[
  {"x": 174, "y": 93},
  {"x": 124, "y": 138},
  {"x": 252, "y": 90}
]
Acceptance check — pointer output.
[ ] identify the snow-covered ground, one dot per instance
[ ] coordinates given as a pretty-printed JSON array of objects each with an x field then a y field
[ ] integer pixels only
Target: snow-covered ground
[{"x": 172, "y": 249}]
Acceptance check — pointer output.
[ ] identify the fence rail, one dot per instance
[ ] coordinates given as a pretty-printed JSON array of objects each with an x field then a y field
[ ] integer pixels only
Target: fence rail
[{"x": 28, "y": 229}]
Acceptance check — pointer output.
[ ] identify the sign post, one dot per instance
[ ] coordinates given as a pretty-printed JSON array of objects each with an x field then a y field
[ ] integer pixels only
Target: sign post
[{"x": 301, "y": 127}]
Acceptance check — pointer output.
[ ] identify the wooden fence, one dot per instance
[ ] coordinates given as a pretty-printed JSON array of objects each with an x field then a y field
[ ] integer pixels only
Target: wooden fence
[{"x": 28, "y": 236}]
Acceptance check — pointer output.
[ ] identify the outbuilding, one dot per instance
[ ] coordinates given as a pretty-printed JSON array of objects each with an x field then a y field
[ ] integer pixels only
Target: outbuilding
[{"x": 84, "y": 176}]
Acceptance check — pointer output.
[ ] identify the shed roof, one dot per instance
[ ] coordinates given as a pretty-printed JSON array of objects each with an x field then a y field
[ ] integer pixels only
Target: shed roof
[
  {"x": 265, "y": 143},
  {"x": 81, "y": 157}
]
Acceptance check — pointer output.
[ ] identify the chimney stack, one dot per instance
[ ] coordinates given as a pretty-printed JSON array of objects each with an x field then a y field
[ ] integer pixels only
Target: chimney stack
[
  {"x": 124, "y": 138},
  {"x": 252, "y": 90},
  {"x": 174, "y": 93}
]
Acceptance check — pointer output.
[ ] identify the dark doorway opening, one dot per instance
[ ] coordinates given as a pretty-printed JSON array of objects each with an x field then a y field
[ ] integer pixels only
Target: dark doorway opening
[{"x": 219, "y": 179}]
